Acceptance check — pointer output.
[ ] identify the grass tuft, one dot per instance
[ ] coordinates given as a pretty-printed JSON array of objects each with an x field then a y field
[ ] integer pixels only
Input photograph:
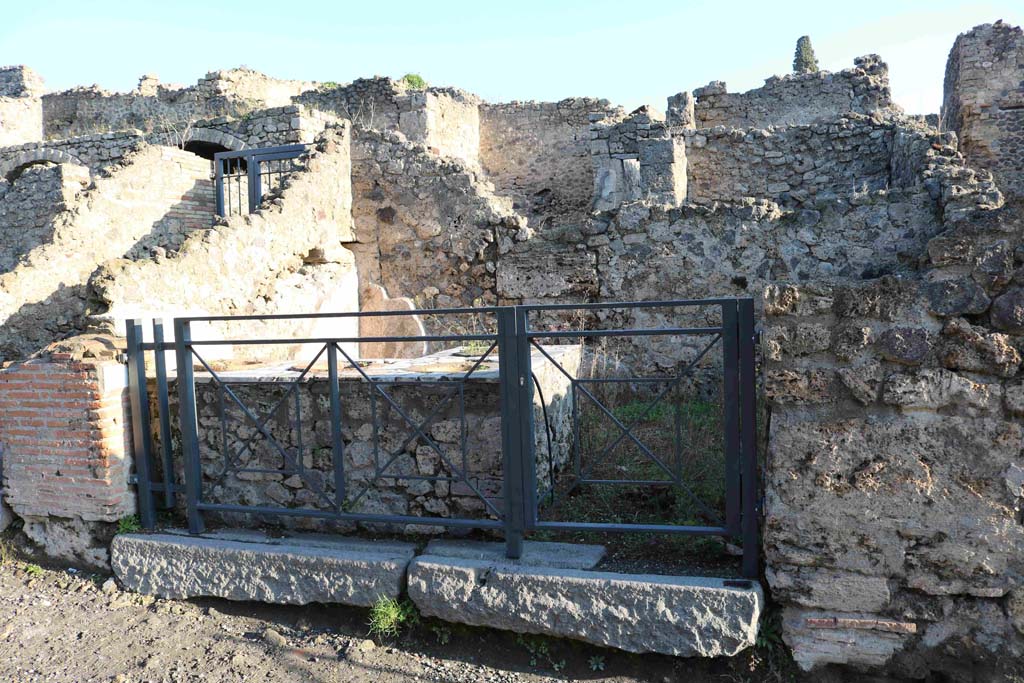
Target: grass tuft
[{"x": 388, "y": 617}]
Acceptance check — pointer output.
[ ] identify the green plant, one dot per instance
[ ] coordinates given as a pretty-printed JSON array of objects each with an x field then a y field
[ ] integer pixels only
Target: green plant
[
  {"x": 389, "y": 616},
  {"x": 328, "y": 85},
  {"x": 804, "y": 61},
  {"x": 596, "y": 663},
  {"x": 129, "y": 525},
  {"x": 33, "y": 569},
  {"x": 476, "y": 347},
  {"x": 414, "y": 81}
]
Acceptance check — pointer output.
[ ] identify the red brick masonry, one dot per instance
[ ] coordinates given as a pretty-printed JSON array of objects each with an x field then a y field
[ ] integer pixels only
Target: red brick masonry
[{"x": 66, "y": 438}]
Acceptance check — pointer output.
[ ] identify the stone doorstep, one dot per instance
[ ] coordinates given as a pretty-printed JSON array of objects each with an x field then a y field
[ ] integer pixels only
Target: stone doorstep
[
  {"x": 535, "y": 553},
  {"x": 234, "y": 566},
  {"x": 549, "y": 590},
  {"x": 683, "y": 616}
]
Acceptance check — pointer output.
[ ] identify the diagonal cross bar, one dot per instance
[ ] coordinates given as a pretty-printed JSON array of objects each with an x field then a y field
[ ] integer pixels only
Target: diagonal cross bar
[
  {"x": 418, "y": 428},
  {"x": 626, "y": 431},
  {"x": 288, "y": 457},
  {"x": 292, "y": 388}
]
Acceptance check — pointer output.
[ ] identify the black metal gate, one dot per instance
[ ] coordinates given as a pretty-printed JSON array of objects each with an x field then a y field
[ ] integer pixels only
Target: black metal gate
[
  {"x": 242, "y": 178},
  {"x": 525, "y": 495}
]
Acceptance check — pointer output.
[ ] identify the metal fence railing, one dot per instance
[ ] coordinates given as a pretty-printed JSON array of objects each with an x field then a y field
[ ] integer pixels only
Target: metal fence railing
[
  {"x": 344, "y": 439},
  {"x": 243, "y": 178}
]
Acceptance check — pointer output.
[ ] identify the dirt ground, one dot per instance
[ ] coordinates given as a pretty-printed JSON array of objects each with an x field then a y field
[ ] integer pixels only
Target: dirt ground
[{"x": 70, "y": 625}]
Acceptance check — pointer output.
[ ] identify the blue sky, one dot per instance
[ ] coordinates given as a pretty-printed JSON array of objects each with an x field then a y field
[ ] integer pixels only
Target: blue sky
[{"x": 629, "y": 52}]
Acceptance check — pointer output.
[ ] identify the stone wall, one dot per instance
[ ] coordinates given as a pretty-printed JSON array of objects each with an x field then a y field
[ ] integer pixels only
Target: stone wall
[
  {"x": 244, "y": 263},
  {"x": 44, "y": 298},
  {"x": 265, "y": 128},
  {"x": 799, "y": 99},
  {"x": 636, "y": 157},
  {"x": 21, "y": 113},
  {"x": 538, "y": 153},
  {"x": 66, "y": 443},
  {"x": 840, "y": 157},
  {"x": 894, "y": 487},
  {"x": 28, "y": 205},
  {"x": 984, "y": 101},
  {"x": 427, "y": 228},
  {"x": 153, "y": 107},
  {"x": 446, "y": 121}
]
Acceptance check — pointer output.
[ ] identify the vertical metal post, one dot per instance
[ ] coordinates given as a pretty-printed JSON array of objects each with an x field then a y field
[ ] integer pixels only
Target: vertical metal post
[
  {"x": 218, "y": 183},
  {"x": 189, "y": 424},
  {"x": 748, "y": 440},
  {"x": 528, "y": 447},
  {"x": 141, "y": 443},
  {"x": 163, "y": 399},
  {"x": 254, "y": 183},
  {"x": 731, "y": 414},
  {"x": 337, "y": 444},
  {"x": 511, "y": 381}
]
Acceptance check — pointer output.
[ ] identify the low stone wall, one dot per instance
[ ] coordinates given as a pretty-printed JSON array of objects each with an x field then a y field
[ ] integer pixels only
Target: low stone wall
[
  {"x": 387, "y": 469},
  {"x": 841, "y": 157},
  {"x": 44, "y": 297},
  {"x": 28, "y": 205},
  {"x": 66, "y": 445},
  {"x": 799, "y": 99}
]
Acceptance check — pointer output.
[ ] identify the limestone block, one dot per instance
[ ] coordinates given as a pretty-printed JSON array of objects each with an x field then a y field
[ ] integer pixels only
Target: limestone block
[
  {"x": 968, "y": 347},
  {"x": 950, "y": 298},
  {"x": 1008, "y": 311},
  {"x": 293, "y": 571},
  {"x": 682, "y": 616}
]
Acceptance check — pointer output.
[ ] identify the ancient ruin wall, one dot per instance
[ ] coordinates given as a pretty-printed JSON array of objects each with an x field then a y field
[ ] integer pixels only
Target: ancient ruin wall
[
  {"x": 984, "y": 101},
  {"x": 538, "y": 153},
  {"x": 65, "y": 437},
  {"x": 427, "y": 228},
  {"x": 43, "y": 298},
  {"x": 841, "y": 157},
  {"x": 799, "y": 99},
  {"x": 153, "y": 107},
  {"x": 21, "y": 113},
  {"x": 279, "y": 126},
  {"x": 236, "y": 267},
  {"x": 894, "y": 486},
  {"x": 28, "y": 205},
  {"x": 637, "y": 157}
]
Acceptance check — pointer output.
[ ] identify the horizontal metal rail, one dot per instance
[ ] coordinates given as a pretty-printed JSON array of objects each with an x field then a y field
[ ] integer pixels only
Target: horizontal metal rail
[{"x": 516, "y": 346}]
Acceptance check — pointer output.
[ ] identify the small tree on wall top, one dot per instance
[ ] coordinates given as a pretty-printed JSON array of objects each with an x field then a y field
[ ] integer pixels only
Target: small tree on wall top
[{"x": 804, "y": 61}]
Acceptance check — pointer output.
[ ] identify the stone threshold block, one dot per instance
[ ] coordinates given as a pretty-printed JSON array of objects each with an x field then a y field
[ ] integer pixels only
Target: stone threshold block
[
  {"x": 684, "y": 616},
  {"x": 535, "y": 553},
  {"x": 296, "y": 570}
]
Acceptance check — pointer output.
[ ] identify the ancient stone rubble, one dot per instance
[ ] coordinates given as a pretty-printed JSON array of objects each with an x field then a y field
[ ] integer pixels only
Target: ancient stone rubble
[{"x": 886, "y": 256}]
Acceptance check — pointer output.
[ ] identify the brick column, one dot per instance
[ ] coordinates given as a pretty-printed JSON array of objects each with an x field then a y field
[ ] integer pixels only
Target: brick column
[{"x": 66, "y": 440}]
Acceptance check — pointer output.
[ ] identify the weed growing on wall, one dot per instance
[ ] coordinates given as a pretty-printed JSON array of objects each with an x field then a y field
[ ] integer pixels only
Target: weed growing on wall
[
  {"x": 414, "y": 81},
  {"x": 388, "y": 617}
]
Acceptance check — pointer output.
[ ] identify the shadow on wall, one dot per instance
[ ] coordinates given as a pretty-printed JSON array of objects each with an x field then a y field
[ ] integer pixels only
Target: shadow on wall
[{"x": 67, "y": 309}]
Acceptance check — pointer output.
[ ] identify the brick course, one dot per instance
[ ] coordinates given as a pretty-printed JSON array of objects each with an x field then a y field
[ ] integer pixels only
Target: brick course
[{"x": 66, "y": 438}]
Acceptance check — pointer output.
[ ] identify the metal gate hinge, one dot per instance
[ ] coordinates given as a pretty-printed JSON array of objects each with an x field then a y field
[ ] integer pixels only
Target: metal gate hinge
[
  {"x": 522, "y": 381},
  {"x": 122, "y": 358},
  {"x": 133, "y": 479}
]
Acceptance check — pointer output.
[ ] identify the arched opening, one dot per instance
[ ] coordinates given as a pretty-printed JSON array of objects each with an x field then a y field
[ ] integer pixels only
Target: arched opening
[
  {"x": 204, "y": 149},
  {"x": 18, "y": 171}
]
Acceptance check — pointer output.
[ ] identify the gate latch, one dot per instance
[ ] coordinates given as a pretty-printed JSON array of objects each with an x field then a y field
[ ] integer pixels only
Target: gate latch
[{"x": 522, "y": 381}]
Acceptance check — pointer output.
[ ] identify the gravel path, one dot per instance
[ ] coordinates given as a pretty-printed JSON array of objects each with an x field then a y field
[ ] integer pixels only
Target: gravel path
[{"x": 71, "y": 626}]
